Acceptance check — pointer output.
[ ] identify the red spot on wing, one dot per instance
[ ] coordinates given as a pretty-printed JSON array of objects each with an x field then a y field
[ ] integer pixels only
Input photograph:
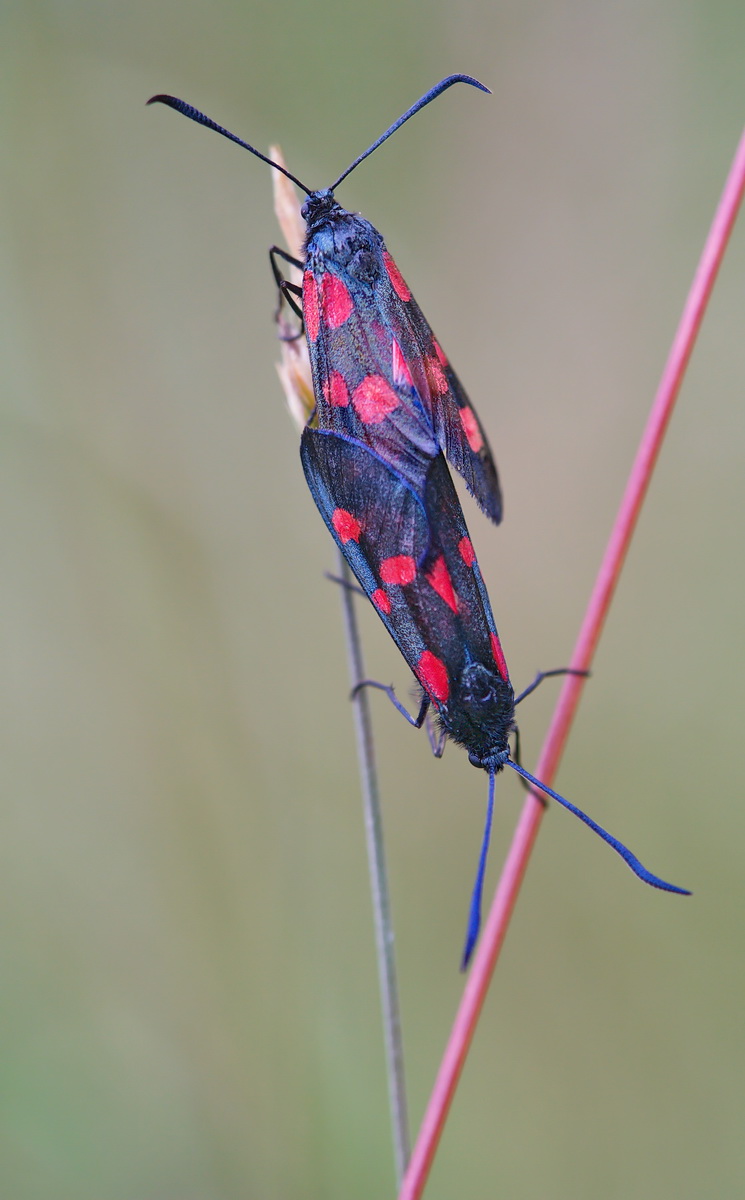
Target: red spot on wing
[
  {"x": 432, "y": 674},
  {"x": 347, "y": 526},
  {"x": 467, "y": 552},
  {"x": 381, "y": 601},
  {"x": 439, "y": 352},
  {"x": 396, "y": 277},
  {"x": 310, "y": 306},
  {"x": 374, "y": 399},
  {"x": 400, "y": 569},
  {"x": 400, "y": 367},
  {"x": 439, "y": 579},
  {"x": 499, "y": 659},
  {"x": 436, "y": 376},
  {"x": 335, "y": 390},
  {"x": 471, "y": 428},
  {"x": 336, "y": 302}
]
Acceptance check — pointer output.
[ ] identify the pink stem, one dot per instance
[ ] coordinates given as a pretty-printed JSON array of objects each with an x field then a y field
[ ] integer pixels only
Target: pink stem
[{"x": 597, "y": 609}]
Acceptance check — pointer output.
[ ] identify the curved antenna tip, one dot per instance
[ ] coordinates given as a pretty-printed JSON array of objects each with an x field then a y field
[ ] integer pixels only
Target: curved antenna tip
[
  {"x": 466, "y": 79},
  {"x": 427, "y": 98},
  {"x": 194, "y": 114},
  {"x": 630, "y": 859}
]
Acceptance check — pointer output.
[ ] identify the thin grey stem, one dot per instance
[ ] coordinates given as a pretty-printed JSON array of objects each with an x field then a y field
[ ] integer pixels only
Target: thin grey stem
[{"x": 378, "y": 881}]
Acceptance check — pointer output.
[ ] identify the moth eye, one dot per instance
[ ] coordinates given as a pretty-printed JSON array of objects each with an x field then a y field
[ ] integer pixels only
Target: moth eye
[
  {"x": 363, "y": 266},
  {"x": 478, "y": 685},
  {"x": 482, "y": 691}
]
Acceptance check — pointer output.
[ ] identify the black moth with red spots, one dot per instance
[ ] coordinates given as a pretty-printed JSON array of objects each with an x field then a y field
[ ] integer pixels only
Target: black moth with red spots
[{"x": 389, "y": 411}]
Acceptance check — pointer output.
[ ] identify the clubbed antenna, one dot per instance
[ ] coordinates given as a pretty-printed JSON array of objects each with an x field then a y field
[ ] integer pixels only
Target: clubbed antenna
[
  {"x": 432, "y": 94},
  {"x": 474, "y": 913},
  {"x": 194, "y": 114},
  {"x": 630, "y": 859}
]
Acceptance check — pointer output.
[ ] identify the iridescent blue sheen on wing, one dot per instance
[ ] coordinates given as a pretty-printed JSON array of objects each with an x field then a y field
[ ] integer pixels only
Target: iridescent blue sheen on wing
[{"x": 363, "y": 324}]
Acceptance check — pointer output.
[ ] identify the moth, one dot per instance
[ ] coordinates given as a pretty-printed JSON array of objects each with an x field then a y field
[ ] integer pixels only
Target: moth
[{"x": 389, "y": 411}]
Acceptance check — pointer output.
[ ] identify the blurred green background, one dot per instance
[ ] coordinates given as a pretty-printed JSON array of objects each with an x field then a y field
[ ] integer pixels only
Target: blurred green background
[{"x": 189, "y": 997}]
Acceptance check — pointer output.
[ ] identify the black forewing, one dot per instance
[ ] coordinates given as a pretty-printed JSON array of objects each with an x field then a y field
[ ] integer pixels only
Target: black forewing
[
  {"x": 443, "y": 609},
  {"x": 456, "y": 424},
  {"x": 345, "y": 475},
  {"x": 366, "y": 325},
  {"x": 345, "y": 358}
]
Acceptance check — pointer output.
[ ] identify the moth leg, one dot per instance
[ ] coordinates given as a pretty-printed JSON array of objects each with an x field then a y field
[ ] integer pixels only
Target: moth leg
[
  {"x": 276, "y": 252},
  {"x": 289, "y": 258},
  {"x": 518, "y": 759},
  {"x": 351, "y": 587},
  {"x": 547, "y": 675},
  {"x": 437, "y": 737},
  {"x": 290, "y": 337},
  {"x": 416, "y": 721},
  {"x": 287, "y": 291}
]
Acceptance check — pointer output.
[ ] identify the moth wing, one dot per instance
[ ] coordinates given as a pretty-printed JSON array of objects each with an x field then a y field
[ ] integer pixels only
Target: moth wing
[
  {"x": 377, "y": 520},
  {"x": 361, "y": 390},
  {"x": 457, "y": 428},
  {"x": 409, "y": 548},
  {"x": 452, "y": 557}
]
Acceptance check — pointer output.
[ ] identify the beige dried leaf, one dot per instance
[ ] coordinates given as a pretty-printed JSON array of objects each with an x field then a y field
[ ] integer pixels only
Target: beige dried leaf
[{"x": 294, "y": 369}]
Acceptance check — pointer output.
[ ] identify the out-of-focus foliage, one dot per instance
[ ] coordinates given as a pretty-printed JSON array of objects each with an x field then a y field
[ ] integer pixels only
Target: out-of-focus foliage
[{"x": 189, "y": 1002}]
